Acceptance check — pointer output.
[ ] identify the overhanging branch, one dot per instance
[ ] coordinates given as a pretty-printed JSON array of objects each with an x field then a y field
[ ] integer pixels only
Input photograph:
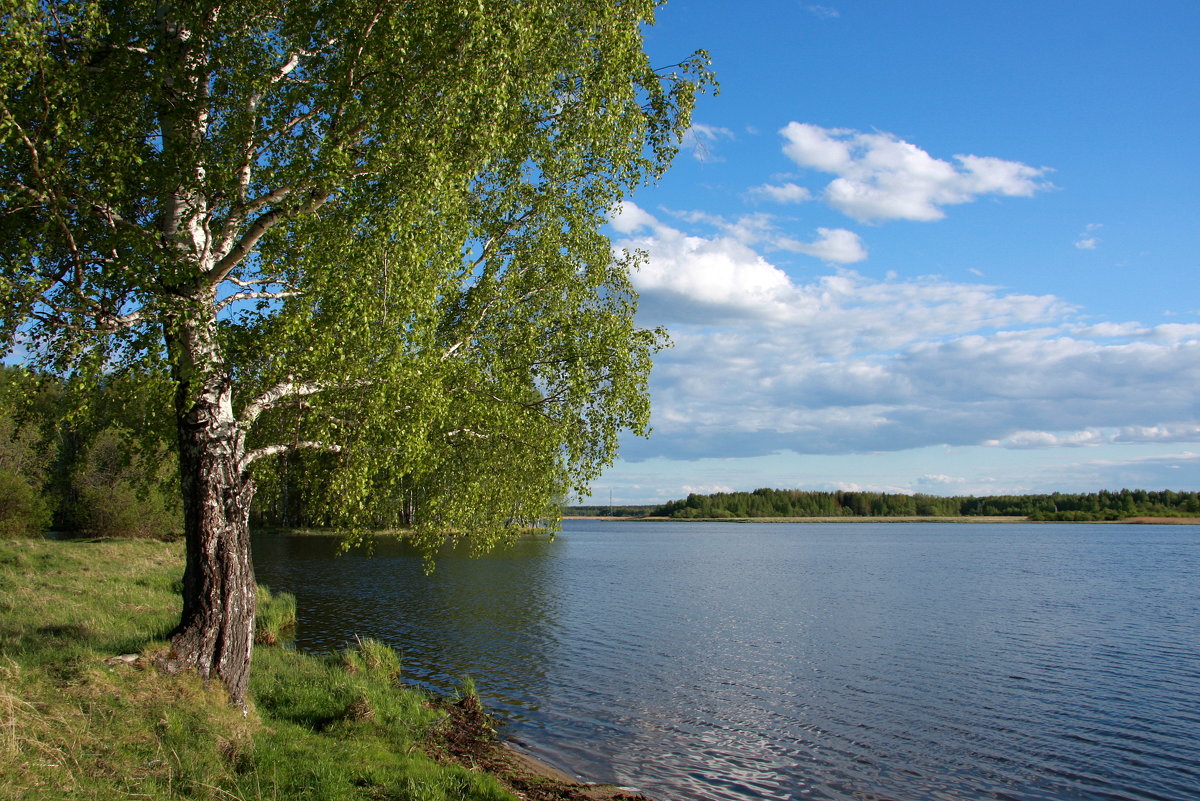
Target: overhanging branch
[
  {"x": 237, "y": 296},
  {"x": 289, "y": 388},
  {"x": 271, "y": 450}
]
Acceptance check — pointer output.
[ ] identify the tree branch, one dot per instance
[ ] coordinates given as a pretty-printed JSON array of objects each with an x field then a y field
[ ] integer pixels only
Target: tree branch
[
  {"x": 271, "y": 450},
  {"x": 237, "y": 296},
  {"x": 265, "y": 222},
  {"x": 289, "y": 388}
]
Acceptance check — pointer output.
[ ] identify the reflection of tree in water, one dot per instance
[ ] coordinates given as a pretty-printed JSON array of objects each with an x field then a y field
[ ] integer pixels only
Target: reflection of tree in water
[{"x": 493, "y": 617}]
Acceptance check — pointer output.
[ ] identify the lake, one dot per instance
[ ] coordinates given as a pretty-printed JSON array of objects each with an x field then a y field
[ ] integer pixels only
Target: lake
[{"x": 869, "y": 661}]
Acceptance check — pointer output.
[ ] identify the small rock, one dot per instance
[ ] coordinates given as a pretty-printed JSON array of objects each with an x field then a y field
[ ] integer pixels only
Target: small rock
[{"x": 123, "y": 659}]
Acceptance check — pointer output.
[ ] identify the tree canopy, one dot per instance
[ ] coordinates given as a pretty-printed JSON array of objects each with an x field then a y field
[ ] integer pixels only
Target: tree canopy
[{"x": 370, "y": 230}]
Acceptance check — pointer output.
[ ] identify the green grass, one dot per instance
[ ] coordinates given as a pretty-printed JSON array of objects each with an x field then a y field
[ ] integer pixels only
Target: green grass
[{"x": 76, "y": 724}]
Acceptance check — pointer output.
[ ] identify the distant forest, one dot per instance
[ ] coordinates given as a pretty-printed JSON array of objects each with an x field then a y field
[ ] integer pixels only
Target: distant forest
[{"x": 1103, "y": 505}]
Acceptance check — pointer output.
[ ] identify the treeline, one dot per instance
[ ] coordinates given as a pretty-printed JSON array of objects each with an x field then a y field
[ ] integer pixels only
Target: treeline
[
  {"x": 609, "y": 511},
  {"x": 1103, "y": 505},
  {"x": 100, "y": 460},
  {"x": 97, "y": 468}
]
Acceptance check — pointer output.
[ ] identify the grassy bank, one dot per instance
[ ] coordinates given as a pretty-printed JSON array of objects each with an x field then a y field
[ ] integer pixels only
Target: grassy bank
[{"x": 84, "y": 714}]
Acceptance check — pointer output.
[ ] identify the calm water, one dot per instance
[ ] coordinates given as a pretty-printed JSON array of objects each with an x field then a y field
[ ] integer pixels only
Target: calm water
[{"x": 777, "y": 661}]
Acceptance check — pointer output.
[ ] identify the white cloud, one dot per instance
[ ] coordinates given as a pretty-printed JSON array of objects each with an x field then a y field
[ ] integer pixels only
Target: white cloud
[
  {"x": 833, "y": 245},
  {"x": 940, "y": 480},
  {"x": 1176, "y": 432},
  {"x": 701, "y": 139},
  {"x": 836, "y": 245},
  {"x": 700, "y": 278},
  {"x": 846, "y": 363},
  {"x": 882, "y": 177},
  {"x": 706, "y": 489},
  {"x": 783, "y": 193},
  {"x": 627, "y": 218},
  {"x": 822, "y": 12},
  {"x": 1023, "y": 440},
  {"x": 749, "y": 229},
  {"x": 1087, "y": 240},
  {"x": 1165, "y": 333}
]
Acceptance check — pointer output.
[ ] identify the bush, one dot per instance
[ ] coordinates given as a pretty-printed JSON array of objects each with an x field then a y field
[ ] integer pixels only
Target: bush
[
  {"x": 24, "y": 511},
  {"x": 120, "y": 492}
]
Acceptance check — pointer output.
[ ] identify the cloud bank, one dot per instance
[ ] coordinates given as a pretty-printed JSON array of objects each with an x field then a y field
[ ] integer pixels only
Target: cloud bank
[{"x": 843, "y": 363}]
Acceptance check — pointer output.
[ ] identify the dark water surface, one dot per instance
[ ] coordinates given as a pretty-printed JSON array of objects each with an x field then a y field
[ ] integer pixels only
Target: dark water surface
[{"x": 779, "y": 661}]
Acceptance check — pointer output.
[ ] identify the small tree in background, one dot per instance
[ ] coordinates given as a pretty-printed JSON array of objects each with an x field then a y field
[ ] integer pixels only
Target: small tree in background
[
  {"x": 119, "y": 491},
  {"x": 25, "y": 461}
]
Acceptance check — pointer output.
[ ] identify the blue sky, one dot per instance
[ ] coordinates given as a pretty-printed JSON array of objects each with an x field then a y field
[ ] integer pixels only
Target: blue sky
[{"x": 925, "y": 246}]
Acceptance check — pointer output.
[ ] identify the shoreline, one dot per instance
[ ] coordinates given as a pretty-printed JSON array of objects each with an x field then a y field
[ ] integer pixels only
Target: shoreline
[
  {"x": 86, "y": 701},
  {"x": 591, "y": 791},
  {"x": 470, "y": 740}
]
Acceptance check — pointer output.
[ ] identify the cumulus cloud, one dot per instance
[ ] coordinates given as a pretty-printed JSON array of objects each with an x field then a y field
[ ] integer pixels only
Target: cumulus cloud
[
  {"x": 1024, "y": 440},
  {"x": 836, "y": 245},
  {"x": 832, "y": 245},
  {"x": 845, "y": 363},
  {"x": 627, "y": 218},
  {"x": 882, "y": 177},
  {"x": 1174, "y": 432},
  {"x": 696, "y": 277},
  {"x": 706, "y": 489},
  {"x": 940, "y": 480},
  {"x": 1164, "y": 333}
]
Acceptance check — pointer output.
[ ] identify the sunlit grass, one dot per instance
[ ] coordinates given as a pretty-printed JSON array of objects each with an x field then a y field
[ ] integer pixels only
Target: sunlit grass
[{"x": 77, "y": 723}]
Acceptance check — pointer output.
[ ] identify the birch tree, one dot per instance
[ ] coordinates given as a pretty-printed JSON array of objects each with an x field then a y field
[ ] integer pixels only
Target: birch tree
[{"x": 366, "y": 229}]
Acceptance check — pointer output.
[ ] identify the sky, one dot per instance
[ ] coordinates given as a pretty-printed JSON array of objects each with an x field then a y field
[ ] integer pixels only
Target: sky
[{"x": 925, "y": 246}]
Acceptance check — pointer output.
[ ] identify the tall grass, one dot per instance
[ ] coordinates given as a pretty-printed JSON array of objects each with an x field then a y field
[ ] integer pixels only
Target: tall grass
[
  {"x": 75, "y": 722},
  {"x": 275, "y": 617}
]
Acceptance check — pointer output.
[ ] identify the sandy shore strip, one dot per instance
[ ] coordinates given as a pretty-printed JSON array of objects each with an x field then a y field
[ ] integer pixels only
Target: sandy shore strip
[{"x": 469, "y": 738}]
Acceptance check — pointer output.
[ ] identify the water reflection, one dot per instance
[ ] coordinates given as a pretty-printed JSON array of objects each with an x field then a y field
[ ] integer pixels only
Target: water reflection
[
  {"x": 728, "y": 663},
  {"x": 493, "y": 619}
]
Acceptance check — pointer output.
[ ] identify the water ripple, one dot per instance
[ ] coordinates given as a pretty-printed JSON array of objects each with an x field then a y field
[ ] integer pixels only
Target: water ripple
[{"x": 833, "y": 663}]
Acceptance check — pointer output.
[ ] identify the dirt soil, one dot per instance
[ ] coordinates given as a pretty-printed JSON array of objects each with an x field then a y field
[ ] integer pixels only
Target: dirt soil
[{"x": 468, "y": 737}]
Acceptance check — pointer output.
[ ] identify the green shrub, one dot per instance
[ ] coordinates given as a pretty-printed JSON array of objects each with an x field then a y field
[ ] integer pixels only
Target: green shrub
[
  {"x": 120, "y": 492},
  {"x": 24, "y": 511}
]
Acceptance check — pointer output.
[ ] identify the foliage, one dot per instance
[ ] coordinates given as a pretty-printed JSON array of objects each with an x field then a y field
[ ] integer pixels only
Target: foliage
[
  {"x": 78, "y": 726},
  {"x": 1103, "y": 505},
  {"x": 120, "y": 492},
  {"x": 367, "y": 231},
  {"x": 23, "y": 511},
  {"x": 25, "y": 461},
  {"x": 378, "y": 225},
  {"x": 84, "y": 459}
]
